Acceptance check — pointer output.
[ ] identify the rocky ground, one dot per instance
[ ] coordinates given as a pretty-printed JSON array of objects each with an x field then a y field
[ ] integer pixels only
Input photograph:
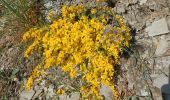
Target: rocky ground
[
  {"x": 143, "y": 73},
  {"x": 147, "y": 69}
]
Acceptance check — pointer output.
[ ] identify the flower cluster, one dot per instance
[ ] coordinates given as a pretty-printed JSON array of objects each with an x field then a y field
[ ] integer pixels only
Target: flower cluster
[{"x": 84, "y": 42}]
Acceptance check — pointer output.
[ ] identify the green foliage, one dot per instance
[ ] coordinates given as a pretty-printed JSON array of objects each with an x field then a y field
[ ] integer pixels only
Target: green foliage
[{"x": 21, "y": 9}]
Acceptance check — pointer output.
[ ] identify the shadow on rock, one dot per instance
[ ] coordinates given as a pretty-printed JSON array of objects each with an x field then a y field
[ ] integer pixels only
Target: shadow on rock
[{"x": 166, "y": 89}]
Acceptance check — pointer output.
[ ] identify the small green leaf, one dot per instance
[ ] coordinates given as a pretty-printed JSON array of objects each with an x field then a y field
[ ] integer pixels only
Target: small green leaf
[{"x": 15, "y": 71}]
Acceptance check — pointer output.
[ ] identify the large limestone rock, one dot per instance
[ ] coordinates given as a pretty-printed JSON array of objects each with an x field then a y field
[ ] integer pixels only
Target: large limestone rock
[{"x": 158, "y": 27}]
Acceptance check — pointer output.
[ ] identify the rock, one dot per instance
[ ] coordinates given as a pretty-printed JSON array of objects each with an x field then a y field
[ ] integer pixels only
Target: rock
[
  {"x": 6, "y": 41},
  {"x": 126, "y": 2},
  {"x": 156, "y": 92},
  {"x": 142, "y": 2},
  {"x": 162, "y": 47},
  {"x": 38, "y": 90},
  {"x": 144, "y": 98},
  {"x": 2, "y": 23},
  {"x": 168, "y": 21},
  {"x": 168, "y": 1},
  {"x": 133, "y": 1},
  {"x": 158, "y": 98},
  {"x": 141, "y": 88},
  {"x": 159, "y": 80},
  {"x": 48, "y": 4},
  {"x": 63, "y": 97},
  {"x": 134, "y": 98},
  {"x": 153, "y": 5},
  {"x": 26, "y": 95},
  {"x": 120, "y": 8},
  {"x": 75, "y": 96},
  {"x": 9, "y": 58},
  {"x": 158, "y": 28},
  {"x": 107, "y": 92},
  {"x": 54, "y": 6},
  {"x": 144, "y": 92},
  {"x": 168, "y": 37},
  {"x": 163, "y": 64},
  {"x": 50, "y": 92}
]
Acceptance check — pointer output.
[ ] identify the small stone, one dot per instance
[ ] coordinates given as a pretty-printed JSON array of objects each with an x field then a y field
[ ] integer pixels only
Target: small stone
[
  {"x": 142, "y": 2},
  {"x": 162, "y": 47},
  {"x": 38, "y": 90},
  {"x": 120, "y": 8},
  {"x": 75, "y": 96},
  {"x": 158, "y": 28},
  {"x": 107, "y": 92},
  {"x": 49, "y": 4},
  {"x": 144, "y": 92},
  {"x": 26, "y": 95},
  {"x": 6, "y": 41},
  {"x": 63, "y": 97},
  {"x": 9, "y": 57},
  {"x": 133, "y": 1},
  {"x": 50, "y": 91},
  {"x": 2, "y": 23}
]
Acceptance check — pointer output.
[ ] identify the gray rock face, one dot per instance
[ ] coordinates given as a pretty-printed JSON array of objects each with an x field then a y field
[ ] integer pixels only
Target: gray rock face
[{"x": 158, "y": 28}]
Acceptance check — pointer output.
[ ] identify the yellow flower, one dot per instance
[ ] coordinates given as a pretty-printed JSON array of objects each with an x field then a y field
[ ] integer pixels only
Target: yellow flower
[
  {"x": 93, "y": 11},
  {"x": 60, "y": 92},
  {"x": 51, "y": 15},
  {"x": 30, "y": 83}
]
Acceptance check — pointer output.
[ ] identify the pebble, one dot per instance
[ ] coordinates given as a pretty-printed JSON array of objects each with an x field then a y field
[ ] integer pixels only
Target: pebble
[
  {"x": 27, "y": 95},
  {"x": 107, "y": 92}
]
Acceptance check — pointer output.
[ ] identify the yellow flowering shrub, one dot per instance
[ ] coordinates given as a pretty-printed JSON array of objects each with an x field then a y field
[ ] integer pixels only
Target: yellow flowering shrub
[{"x": 82, "y": 41}]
